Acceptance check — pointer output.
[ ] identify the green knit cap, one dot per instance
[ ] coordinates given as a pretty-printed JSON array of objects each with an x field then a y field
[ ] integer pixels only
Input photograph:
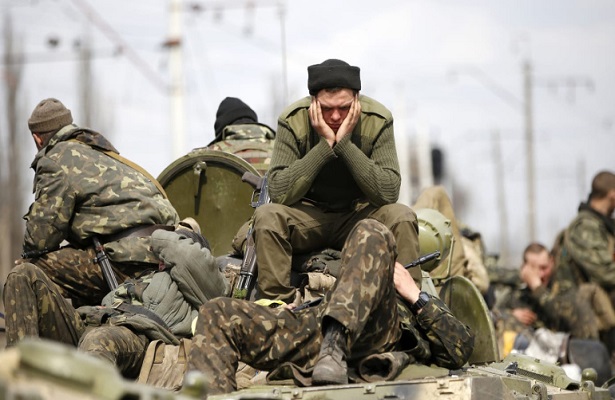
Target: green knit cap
[{"x": 49, "y": 115}]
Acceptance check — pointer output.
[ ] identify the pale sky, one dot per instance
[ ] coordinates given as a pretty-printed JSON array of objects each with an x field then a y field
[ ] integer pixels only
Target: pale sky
[{"x": 451, "y": 69}]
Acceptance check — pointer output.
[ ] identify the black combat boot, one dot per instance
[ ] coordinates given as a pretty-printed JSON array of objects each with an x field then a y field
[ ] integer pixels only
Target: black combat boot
[{"x": 331, "y": 367}]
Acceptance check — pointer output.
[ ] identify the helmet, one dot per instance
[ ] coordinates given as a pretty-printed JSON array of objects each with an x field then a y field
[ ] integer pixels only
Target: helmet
[{"x": 435, "y": 234}]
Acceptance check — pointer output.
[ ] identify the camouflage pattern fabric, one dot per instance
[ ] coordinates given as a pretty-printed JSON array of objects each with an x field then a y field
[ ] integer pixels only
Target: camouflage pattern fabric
[
  {"x": 556, "y": 309},
  {"x": 117, "y": 344},
  {"x": 586, "y": 250},
  {"x": 281, "y": 231},
  {"x": 252, "y": 142},
  {"x": 35, "y": 307},
  {"x": 364, "y": 300},
  {"x": 81, "y": 192}
]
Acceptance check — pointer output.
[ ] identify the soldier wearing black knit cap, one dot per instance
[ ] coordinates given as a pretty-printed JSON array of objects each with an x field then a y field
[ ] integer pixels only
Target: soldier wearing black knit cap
[
  {"x": 235, "y": 119},
  {"x": 334, "y": 163}
]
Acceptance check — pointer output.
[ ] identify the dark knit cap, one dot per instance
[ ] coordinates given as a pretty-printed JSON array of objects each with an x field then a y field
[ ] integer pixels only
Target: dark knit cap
[
  {"x": 333, "y": 73},
  {"x": 233, "y": 110},
  {"x": 49, "y": 115}
]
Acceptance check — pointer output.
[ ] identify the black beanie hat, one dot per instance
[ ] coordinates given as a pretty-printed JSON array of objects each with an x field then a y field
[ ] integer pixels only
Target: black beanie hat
[
  {"x": 49, "y": 115},
  {"x": 231, "y": 110},
  {"x": 333, "y": 73}
]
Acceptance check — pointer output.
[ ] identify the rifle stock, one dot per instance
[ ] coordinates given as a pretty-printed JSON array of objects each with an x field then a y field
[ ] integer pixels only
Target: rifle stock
[{"x": 247, "y": 274}]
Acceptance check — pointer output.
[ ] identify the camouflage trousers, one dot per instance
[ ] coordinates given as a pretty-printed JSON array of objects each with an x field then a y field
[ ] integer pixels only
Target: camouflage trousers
[
  {"x": 36, "y": 307},
  {"x": 281, "y": 231},
  {"x": 118, "y": 345},
  {"x": 35, "y": 293},
  {"x": 363, "y": 300}
]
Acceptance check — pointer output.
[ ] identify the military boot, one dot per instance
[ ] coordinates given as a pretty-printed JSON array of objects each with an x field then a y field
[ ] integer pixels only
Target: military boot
[{"x": 331, "y": 367}]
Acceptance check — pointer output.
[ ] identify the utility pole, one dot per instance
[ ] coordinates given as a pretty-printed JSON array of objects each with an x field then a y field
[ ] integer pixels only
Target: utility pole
[
  {"x": 529, "y": 150},
  {"x": 500, "y": 194}
]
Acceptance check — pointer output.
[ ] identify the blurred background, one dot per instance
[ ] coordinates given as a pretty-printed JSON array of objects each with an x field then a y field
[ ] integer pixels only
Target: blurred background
[{"x": 507, "y": 104}]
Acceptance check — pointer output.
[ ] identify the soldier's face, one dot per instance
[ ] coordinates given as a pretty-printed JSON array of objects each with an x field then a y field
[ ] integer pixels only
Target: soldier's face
[
  {"x": 335, "y": 106},
  {"x": 542, "y": 264}
]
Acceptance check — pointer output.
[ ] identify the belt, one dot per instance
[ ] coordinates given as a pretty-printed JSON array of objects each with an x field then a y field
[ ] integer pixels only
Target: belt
[{"x": 137, "y": 231}]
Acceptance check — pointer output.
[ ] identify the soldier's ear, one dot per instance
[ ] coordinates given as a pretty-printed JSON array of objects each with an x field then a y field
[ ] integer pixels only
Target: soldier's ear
[{"x": 37, "y": 139}]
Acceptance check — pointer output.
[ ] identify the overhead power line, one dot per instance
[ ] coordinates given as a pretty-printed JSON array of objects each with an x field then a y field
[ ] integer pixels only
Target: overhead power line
[{"x": 97, "y": 20}]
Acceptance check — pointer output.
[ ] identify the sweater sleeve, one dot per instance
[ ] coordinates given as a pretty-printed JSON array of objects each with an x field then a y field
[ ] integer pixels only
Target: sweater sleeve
[
  {"x": 377, "y": 175},
  {"x": 290, "y": 175}
]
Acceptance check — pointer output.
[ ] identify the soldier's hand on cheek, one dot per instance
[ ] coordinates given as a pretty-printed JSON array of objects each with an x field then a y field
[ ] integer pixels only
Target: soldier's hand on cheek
[
  {"x": 531, "y": 277},
  {"x": 319, "y": 124},
  {"x": 351, "y": 119}
]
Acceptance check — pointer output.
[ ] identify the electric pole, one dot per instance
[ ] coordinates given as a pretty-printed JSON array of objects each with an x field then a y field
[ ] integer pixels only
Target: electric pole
[{"x": 529, "y": 150}]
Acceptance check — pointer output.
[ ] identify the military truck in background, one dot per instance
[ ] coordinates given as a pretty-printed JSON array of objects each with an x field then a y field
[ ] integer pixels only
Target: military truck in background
[{"x": 207, "y": 185}]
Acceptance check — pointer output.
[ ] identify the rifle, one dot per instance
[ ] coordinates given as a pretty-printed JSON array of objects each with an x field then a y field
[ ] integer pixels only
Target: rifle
[
  {"x": 260, "y": 196},
  {"x": 415, "y": 263},
  {"x": 105, "y": 264},
  {"x": 422, "y": 260}
]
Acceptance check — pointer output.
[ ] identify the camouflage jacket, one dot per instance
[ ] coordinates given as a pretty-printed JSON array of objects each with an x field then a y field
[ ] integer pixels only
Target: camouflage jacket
[
  {"x": 434, "y": 336},
  {"x": 80, "y": 192},
  {"x": 252, "y": 142},
  {"x": 586, "y": 249},
  {"x": 556, "y": 309},
  {"x": 363, "y": 165}
]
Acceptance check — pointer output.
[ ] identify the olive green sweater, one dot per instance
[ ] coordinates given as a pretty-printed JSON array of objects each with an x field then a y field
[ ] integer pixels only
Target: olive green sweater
[{"x": 361, "y": 167}]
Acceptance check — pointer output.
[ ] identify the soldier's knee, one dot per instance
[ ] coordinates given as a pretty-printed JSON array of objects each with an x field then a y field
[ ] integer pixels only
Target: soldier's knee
[
  {"x": 269, "y": 216},
  {"x": 394, "y": 214}
]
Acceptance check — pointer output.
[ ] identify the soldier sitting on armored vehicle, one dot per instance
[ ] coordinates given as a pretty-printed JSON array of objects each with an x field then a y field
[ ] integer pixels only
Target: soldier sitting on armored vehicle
[
  {"x": 235, "y": 120},
  {"x": 375, "y": 307},
  {"x": 585, "y": 250},
  {"x": 542, "y": 303},
  {"x": 334, "y": 163},
  {"x": 83, "y": 190}
]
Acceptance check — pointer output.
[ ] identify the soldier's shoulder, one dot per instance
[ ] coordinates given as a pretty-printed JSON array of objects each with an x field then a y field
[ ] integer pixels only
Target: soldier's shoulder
[
  {"x": 373, "y": 107},
  {"x": 297, "y": 106},
  {"x": 585, "y": 220}
]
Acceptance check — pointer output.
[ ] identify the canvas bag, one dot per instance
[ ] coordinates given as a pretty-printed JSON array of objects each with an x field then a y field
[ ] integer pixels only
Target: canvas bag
[{"x": 164, "y": 365}]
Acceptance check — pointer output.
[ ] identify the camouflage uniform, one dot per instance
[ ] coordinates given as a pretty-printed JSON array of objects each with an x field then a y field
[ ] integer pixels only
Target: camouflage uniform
[
  {"x": 81, "y": 192},
  {"x": 586, "y": 250},
  {"x": 363, "y": 300},
  {"x": 318, "y": 193},
  {"x": 557, "y": 309}
]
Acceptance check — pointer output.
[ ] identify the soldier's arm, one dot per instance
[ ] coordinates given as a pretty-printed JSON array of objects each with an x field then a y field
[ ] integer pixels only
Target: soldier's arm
[
  {"x": 50, "y": 213},
  {"x": 451, "y": 341},
  {"x": 588, "y": 244},
  {"x": 378, "y": 175},
  {"x": 290, "y": 174},
  {"x": 564, "y": 311}
]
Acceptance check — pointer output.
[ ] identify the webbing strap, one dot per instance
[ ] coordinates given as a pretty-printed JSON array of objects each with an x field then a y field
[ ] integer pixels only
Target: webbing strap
[{"x": 137, "y": 167}]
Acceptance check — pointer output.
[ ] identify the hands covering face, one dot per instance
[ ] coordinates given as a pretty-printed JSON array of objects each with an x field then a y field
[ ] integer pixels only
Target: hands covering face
[
  {"x": 325, "y": 125},
  {"x": 530, "y": 274}
]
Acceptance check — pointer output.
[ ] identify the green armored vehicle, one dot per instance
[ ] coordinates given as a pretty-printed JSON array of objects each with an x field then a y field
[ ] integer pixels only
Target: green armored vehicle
[{"x": 206, "y": 184}]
